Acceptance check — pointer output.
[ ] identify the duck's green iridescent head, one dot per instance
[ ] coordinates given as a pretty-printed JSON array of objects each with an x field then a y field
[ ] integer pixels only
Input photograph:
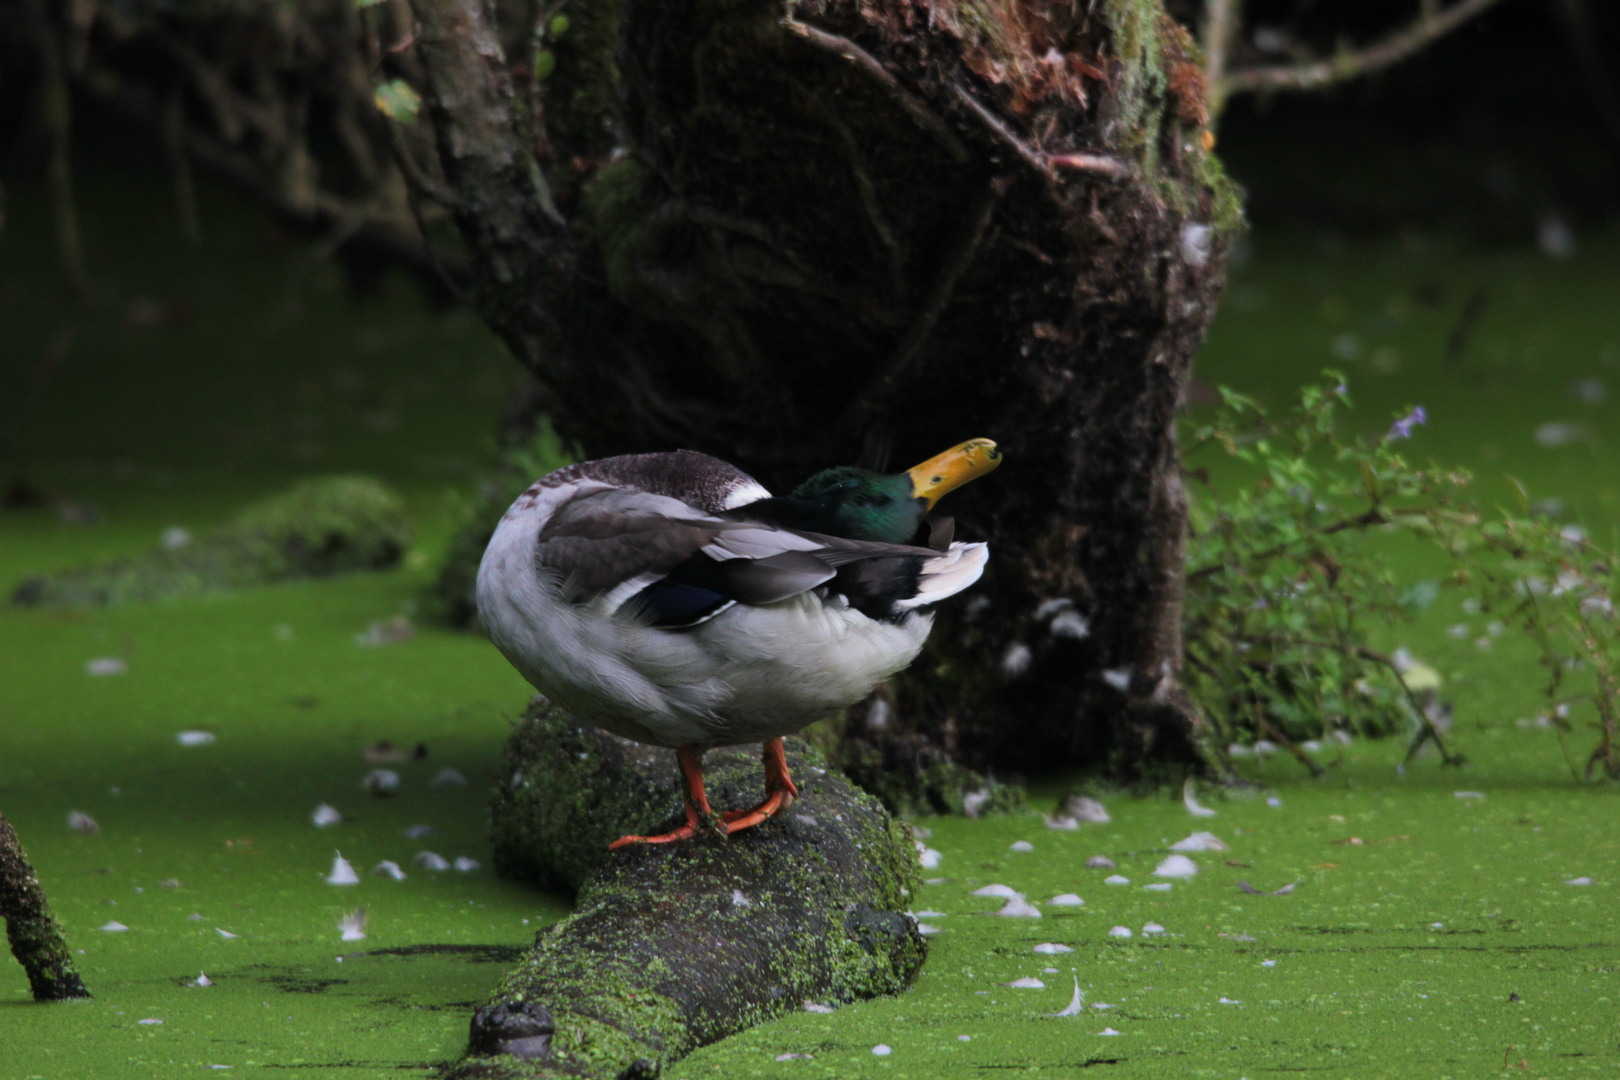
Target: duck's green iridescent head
[{"x": 866, "y": 505}]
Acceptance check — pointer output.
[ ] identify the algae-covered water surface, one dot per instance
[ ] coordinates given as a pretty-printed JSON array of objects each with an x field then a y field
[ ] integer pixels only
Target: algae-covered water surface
[{"x": 1440, "y": 922}]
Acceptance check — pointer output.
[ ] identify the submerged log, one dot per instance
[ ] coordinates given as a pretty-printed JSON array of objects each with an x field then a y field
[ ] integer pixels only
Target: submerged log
[
  {"x": 317, "y": 528},
  {"x": 35, "y": 936},
  {"x": 674, "y": 946}
]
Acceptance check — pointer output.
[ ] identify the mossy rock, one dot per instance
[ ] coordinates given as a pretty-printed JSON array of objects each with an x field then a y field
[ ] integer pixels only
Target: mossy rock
[
  {"x": 673, "y": 946},
  {"x": 317, "y": 528}
]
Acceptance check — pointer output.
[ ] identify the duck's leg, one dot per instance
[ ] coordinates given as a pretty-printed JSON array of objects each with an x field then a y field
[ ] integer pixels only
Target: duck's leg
[
  {"x": 698, "y": 814},
  {"x": 780, "y": 791}
]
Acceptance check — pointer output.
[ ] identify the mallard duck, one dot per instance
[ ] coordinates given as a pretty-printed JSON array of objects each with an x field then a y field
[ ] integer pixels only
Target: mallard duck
[{"x": 671, "y": 599}]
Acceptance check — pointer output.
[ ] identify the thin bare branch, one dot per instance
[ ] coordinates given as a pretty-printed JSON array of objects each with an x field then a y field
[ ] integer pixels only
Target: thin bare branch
[
  {"x": 926, "y": 118},
  {"x": 864, "y": 188},
  {"x": 1002, "y": 133},
  {"x": 312, "y": 209},
  {"x": 880, "y": 388},
  {"x": 1101, "y": 163},
  {"x": 416, "y": 176},
  {"x": 1275, "y": 735},
  {"x": 449, "y": 281},
  {"x": 1353, "y": 64},
  {"x": 1576, "y": 15},
  {"x": 56, "y": 114},
  {"x": 1427, "y": 732},
  {"x": 1221, "y": 21},
  {"x": 232, "y": 112},
  {"x": 185, "y": 191},
  {"x": 1038, "y": 160},
  {"x": 1374, "y": 516}
]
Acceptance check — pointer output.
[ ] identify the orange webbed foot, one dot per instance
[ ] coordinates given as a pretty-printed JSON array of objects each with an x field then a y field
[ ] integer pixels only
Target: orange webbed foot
[
  {"x": 685, "y": 832},
  {"x": 738, "y": 820},
  {"x": 780, "y": 791}
]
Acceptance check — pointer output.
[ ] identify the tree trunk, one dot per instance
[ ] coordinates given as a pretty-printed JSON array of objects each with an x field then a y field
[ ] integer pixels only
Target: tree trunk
[{"x": 808, "y": 227}]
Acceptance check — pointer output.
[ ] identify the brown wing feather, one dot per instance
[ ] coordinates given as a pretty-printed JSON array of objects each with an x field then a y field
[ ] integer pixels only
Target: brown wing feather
[{"x": 598, "y": 541}]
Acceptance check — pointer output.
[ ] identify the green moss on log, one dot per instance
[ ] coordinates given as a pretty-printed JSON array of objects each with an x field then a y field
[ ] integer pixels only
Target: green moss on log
[
  {"x": 32, "y": 930},
  {"x": 674, "y": 946},
  {"x": 318, "y": 528}
]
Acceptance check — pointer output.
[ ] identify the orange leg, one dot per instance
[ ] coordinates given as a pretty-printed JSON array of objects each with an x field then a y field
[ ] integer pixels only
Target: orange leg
[
  {"x": 780, "y": 791},
  {"x": 698, "y": 813}
]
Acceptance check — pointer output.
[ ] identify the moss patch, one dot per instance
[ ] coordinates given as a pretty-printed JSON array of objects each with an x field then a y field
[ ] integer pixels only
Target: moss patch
[{"x": 320, "y": 527}]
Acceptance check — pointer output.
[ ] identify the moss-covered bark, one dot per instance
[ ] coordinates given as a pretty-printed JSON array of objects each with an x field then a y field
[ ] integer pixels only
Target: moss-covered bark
[
  {"x": 677, "y": 945},
  {"x": 35, "y": 936},
  {"x": 317, "y": 528}
]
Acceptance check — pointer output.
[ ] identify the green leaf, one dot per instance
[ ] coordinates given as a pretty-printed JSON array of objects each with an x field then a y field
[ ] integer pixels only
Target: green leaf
[
  {"x": 398, "y": 100},
  {"x": 1370, "y": 484},
  {"x": 366, "y": 3},
  {"x": 545, "y": 62},
  {"x": 558, "y": 26},
  {"x": 1520, "y": 490}
]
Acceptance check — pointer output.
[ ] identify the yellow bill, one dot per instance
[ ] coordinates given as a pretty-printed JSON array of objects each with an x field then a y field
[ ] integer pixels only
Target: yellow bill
[{"x": 944, "y": 473}]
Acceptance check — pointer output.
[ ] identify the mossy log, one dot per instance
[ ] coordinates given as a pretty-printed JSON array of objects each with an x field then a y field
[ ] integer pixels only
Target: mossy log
[
  {"x": 35, "y": 936},
  {"x": 677, "y": 945},
  {"x": 317, "y": 528}
]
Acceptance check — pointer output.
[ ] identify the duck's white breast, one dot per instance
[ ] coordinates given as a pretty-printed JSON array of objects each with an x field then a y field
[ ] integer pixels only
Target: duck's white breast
[
  {"x": 628, "y": 678},
  {"x": 790, "y": 663}
]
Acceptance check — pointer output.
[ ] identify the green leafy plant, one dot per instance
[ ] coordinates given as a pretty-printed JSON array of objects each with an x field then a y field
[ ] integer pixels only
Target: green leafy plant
[{"x": 1287, "y": 572}]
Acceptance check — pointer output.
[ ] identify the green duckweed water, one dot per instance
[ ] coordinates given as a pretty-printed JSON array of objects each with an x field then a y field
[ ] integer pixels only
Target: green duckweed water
[
  {"x": 273, "y": 375},
  {"x": 1395, "y": 956}
]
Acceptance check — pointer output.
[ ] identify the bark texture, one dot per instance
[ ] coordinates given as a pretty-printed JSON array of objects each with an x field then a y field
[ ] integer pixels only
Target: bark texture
[
  {"x": 806, "y": 228},
  {"x": 674, "y": 946},
  {"x": 35, "y": 936}
]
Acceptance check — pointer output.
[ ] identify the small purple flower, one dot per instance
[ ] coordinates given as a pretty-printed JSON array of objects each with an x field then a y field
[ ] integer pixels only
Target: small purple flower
[{"x": 1402, "y": 428}]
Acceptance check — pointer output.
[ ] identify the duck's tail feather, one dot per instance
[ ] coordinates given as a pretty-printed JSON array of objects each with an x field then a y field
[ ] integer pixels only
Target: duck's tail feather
[{"x": 947, "y": 574}]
